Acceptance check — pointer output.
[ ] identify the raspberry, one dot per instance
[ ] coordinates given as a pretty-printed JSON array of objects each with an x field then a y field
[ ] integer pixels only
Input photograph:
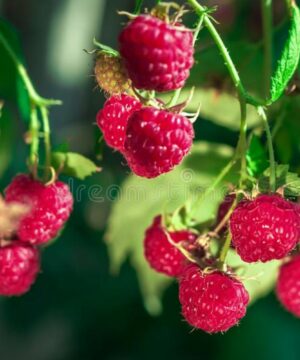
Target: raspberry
[
  {"x": 224, "y": 207},
  {"x": 19, "y": 266},
  {"x": 50, "y": 207},
  {"x": 156, "y": 141},
  {"x": 264, "y": 229},
  {"x": 288, "y": 285},
  {"x": 111, "y": 74},
  {"x": 113, "y": 118},
  {"x": 157, "y": 55},
  {"x": 211, "y": 302},
  {"x": 161, "y": 254}
]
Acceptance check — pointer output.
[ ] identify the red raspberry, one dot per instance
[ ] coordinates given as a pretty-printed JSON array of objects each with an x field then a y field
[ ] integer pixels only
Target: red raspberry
[
  {"x": 157, "y": 55},
  {"x": 156, "y": 141},
  {"x": 160, "y": 253},
  {"x": 19, "y": 266},
  {"x": 288, "y": 285},
  {"x": 50, "y": 207},
  {"x": 264, "y": 229},
  {"x": 113, "y": 118},
  {"x": 224, "y": 207},
  {"x": 211, "y": 302}
]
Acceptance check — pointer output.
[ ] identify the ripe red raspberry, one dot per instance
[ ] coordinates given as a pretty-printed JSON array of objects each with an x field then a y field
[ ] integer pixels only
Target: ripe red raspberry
[
  {"x": 157, "y": 55},
  {"x": 211, "y": 302},
  {"x": 224, "y": 207},
  {"x": 265, "y": 228},
  {"x": 111, "y": 74},
  {"x": 113, "y": 118},
  {"x": 156, "y": 141},
  {"x": 19, "y": 266},
  {"x": 50, "y": 207},
  {"x": 288, "y": 285},
  {"x": 161, "y": 254}
]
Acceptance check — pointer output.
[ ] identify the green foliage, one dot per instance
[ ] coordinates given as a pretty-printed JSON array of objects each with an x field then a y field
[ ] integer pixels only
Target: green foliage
[
  {"x": 141, "y": 199},
  {"x": 219, "y": 107},
  {"x": 290, "y": 182},
  {"x": 6, "y": 138},
  {"x": 258, "y": 278},
  {"x": 289, "y": 59},
  {"x": 138, "y": 6},
  {"x": 73, "y": 164},
  {"x": 11, "y": 86},
  {"x": 256, "y": 156}
]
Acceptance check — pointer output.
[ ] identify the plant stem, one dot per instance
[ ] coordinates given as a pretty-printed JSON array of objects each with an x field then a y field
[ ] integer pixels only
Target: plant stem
[
  {"x": 212, "y": 187},
  {"x": 37, "y": 102},
  {"x": 33, "y": 95},
  {"x": 263, "y": 115},
  {"x": 225, "y": 248},
  {"x": 201, "y": 11},
  {"x": 198, "y": 28},
  {"x": 47, "y": 142},
  {"x": 34, "y": 137},
  {"x": 267, "y": 18},
  {"x": 242, "y": 142}
]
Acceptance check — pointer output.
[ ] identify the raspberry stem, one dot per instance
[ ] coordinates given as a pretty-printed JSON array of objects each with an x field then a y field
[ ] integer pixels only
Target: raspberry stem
[
  {"x": 201, "y": 11},
  {"x": 34, "y": 137},
  {"x": 37, "y": 103},
  {"x": 47, "y": 141},
  {"x": 263, "y": 116},
  {"x": 225, "y": 248},
  {"x": 267, "y": 18}
]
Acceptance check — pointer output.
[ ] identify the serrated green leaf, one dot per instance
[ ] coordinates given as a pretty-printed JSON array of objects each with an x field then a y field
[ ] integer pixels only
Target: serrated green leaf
[
  {"x": 257, "y": 158},
  {"x": 288, "y": 181},
  {"x": 141, "y": 199},
  {"x": 73, "y": 164},
  {"x": 289, "y": 60}
]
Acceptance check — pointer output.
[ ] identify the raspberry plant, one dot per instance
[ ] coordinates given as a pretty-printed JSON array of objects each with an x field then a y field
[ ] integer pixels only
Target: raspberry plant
[
  {"x": 205, "y": 211},
  {"x": 207, "y": 249}
]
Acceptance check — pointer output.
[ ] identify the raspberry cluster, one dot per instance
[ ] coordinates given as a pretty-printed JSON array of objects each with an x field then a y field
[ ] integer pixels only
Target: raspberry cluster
[
  {"x": 49, "y": 207},
  {"x": 157, "y": 56},
  {"x": 211, "y": 301},
  {"x": 154, "y": 137}
]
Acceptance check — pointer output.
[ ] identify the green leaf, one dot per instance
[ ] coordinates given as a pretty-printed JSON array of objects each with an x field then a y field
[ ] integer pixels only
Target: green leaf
[
  {"x": 219, "y": 107},
  {"x": 257, "y": 158},
  {"x": 289, "y": 60},
  {"x": 290, "y": 182},
  {"x": 138, "y": 6},
  {"x": 6, "y": 138},
  {"x": 73, "y": 164},
  {"x": 141, "y": 199},
  {"x": 11, "y": 85},
  {"x": 258, "y": 278}
]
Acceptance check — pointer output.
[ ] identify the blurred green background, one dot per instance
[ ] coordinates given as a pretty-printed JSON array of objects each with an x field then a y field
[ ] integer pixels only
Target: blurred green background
[{"x": 77, "y": 310}]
